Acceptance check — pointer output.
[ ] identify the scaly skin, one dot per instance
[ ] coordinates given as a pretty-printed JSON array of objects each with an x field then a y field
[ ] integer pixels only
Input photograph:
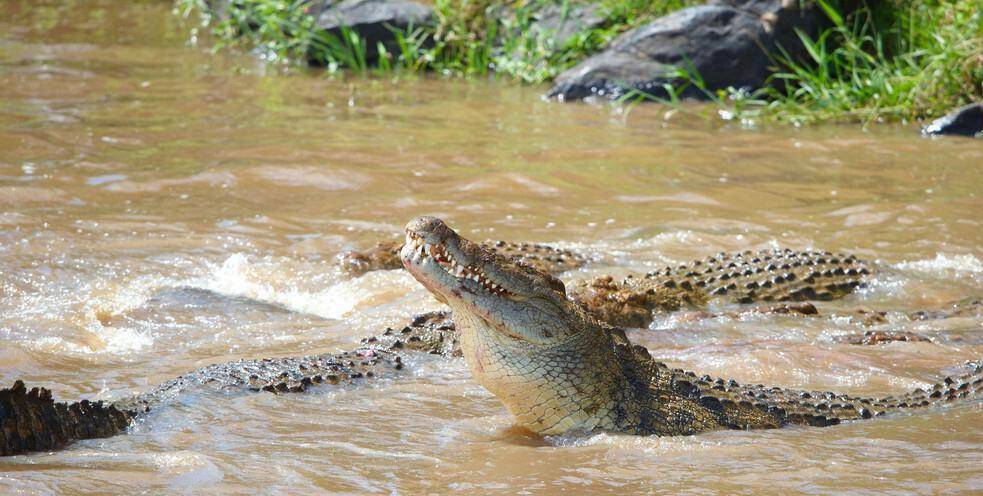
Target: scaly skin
[
  {"x": 748, "y": 277},
  {"x": 31, "y": 420},
  {"x": 558, "y": 369}
]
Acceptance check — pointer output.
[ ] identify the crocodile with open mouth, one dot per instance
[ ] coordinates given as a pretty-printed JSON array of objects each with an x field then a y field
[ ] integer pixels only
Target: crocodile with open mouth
[
  {"x": 31, "y": 420},
  {"x": 558, "y": 369}
]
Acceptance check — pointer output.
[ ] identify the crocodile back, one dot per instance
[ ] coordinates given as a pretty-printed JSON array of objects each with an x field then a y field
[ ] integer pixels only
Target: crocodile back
[{"x": 766, "y": 276}]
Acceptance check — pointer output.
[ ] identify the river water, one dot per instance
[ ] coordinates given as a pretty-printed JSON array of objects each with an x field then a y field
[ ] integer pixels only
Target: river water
[{"x": 164, "y": 208}]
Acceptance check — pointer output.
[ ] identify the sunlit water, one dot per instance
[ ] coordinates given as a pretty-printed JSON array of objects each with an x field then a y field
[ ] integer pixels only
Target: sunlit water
[{"x": 164, "y": 208}]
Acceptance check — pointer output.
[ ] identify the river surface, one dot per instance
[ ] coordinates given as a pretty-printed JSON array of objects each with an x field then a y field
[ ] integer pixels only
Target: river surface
[{"x": 163, "y": 208}]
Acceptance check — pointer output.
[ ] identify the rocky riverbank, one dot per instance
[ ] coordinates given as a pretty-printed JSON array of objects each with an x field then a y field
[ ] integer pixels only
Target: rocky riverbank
[{"x": 782, "y": 60}]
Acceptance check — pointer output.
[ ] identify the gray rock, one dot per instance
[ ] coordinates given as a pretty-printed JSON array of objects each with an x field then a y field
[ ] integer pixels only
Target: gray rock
[
  {"x": 374, "y": 20},
  {"x": 729, "y": 43},
  {"x": 964, "y": 121},
  {"x": 563, "y": 24}
]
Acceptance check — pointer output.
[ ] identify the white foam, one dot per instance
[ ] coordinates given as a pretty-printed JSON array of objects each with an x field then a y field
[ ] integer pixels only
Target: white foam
[
  {"x": 238, "y": 276},
  {"x": 112, "y": 340},
  {"x": 944, "y": 264},
  {"x": 637, "y": 445}
]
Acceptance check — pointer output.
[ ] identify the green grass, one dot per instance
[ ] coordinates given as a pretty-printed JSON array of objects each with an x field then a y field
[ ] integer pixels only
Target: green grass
[{"x": 906, "y": 60}]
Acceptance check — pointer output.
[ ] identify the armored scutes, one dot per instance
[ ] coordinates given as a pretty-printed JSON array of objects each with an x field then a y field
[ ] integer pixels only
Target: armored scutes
[
  {"x": 558, "y": 369},
  {"x": 748, "y": 277}
]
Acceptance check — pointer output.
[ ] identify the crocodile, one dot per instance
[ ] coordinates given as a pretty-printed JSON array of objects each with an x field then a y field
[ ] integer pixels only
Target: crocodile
[
  {"x": 779, "y": 281},
  {"x": 747, "y": 277},
  {"x": 31, "y": 420},
  {"x": 560, "y": 370},
  {"x": 764, "y": 276}
]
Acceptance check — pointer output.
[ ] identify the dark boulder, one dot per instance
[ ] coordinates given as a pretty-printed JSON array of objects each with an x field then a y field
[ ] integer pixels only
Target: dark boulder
[
  {"x": 964, "y": 121},
  {"x": 374, "y": 21},
  {"x": 728, "y": 43}
]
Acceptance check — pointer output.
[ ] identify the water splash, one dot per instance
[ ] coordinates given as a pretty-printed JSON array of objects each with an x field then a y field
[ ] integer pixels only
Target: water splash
[
  {"x": 945, "y": 264},
  {"x": 272, "y": 282}
]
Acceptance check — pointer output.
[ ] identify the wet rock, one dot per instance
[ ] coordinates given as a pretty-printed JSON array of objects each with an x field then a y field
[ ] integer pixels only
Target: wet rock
[
  {"x": 727, "y": 42},
  {"x": 964, "y": 121},
  {"x": 373, "y": 20}
]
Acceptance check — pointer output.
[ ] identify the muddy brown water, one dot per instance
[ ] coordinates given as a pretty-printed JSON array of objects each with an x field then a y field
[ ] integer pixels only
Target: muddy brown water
[{"x": 163, "y": 208}]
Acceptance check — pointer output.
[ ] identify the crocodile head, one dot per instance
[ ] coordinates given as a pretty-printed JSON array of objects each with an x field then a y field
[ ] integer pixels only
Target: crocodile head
[
  {"x": 522, "y": 338},
  {"x": 508, "y": 296}
]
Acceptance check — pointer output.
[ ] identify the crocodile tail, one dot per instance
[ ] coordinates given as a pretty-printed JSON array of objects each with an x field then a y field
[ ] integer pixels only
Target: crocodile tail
[
  {"x": 818, "y": 408},
  {"x": 756, "y": 405},
  {"x": 30, "y": 420},
  {"x": 951, "y": 389}
]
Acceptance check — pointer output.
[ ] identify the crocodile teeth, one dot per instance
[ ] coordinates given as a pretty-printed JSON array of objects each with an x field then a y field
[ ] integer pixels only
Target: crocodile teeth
[{"x": 447, "y": 261}]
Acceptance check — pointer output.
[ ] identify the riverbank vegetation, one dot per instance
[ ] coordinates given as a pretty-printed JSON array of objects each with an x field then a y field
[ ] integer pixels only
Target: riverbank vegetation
[
  {"x": 903, "y": 60},
  {"x": 887, "y": 60},
  {"x": 469, "y": 37}
]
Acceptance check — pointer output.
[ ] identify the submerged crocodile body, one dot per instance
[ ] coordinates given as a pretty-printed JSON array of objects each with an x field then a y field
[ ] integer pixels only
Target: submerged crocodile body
[
  {"x": 748, "y": 277},
  {"x": 558, "y": 369},
  {"x": 30, "y": 420}
]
